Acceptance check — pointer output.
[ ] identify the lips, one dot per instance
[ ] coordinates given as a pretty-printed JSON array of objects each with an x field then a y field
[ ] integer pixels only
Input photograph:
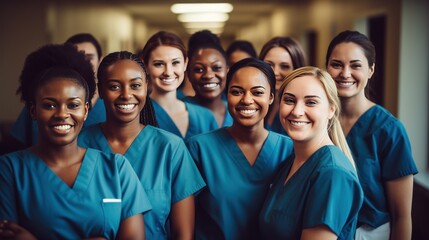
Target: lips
[
  {"x": 298, "y": 123},
  {"x": 61, "y": 128},
  {"x": 209, "y": 86},
  {"x": 126, "y": 106},
  {"x": 345, "y": 83},
  {"x": 168, "y": 80}
]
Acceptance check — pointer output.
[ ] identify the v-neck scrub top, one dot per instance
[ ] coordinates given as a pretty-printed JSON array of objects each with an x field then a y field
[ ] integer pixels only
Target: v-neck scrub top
[
  {"x": 324, "y": 191},
  {"x": 227, "y": 121},
  {"x": 165, "y": 169},
  {"x": 382, "y": 152},
  {"x": 229, "y": 207},
  {"x": 201, "y": 120},
  {"x": 105, "y": 192}
]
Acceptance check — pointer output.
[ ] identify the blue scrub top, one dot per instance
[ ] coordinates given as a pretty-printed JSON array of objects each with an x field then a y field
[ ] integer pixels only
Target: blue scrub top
[
  {"x": 324, "y": 191},
  {"x": 26, "y": 131},
  {"x": 201, "y": 120},
  {"x": 228, "y": 118},
  {"x": 164, "y": 167},
  {"x": 382, "y": 152},
  {"x": 105, "y": 192},
  {"x": 229, "y": 207}
]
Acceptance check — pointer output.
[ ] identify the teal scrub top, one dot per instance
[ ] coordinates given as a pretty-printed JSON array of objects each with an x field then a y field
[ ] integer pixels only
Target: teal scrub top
[
  {"x": 324, "y": 191},
  {"x": 201, "y": 120},
  {"x": 229, "y": 207},
  {"x": 276, "y": 126},
  {"x": 164, "y": 167},
  {"x": 105, "y": 192},
  {"x": 382, "y": 152},
  {"x": 26, "y": 131},
  {"x": 228, "y": 118}
]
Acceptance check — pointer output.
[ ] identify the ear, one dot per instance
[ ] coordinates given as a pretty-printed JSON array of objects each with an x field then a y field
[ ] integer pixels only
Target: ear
[
  {"x": 86, "y": 110},
  {"x": 371, "y": 70},
  {"x": 271, "y": 98},
  {"x": 32, "y": 109},
  {"x": 186, "y": 63}
]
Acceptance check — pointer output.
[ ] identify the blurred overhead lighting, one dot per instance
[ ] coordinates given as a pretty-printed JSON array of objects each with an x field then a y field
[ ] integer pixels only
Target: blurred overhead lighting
[
  {"x": 179, "y": 8},
  {"x": 199, "y": 16},
  {"x": 203, "y": 17}
]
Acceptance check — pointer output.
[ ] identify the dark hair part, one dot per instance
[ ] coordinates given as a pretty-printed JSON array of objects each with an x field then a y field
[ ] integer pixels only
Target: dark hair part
[
  {"x": 354, "y": 37},
  {"x": 204, "y": 39},
  {"x": 290, "y": 45},
  {"x": 147, "y": 115},
  {"x": 53, "y": 61},
  {"x": 86, "y": 37},
  {"x": 262, "y": 66},
  {"x": 162, "y": 38},
  {"x": 241, "y": 45}
]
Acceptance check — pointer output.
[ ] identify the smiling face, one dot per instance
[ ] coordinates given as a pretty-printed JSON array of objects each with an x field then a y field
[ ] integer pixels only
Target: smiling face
[
  {"x": 60, "y": 110},
  {"x": 124, "y": 90},
  {"x": 249, "y": 97},
  {"x": 281, "y": 62},
  {"x": 166, "y": 67},
  {"x": 349, "y": 68},
  {"x": 207, "y": 73},
  {"x": 305, "y": 110}
]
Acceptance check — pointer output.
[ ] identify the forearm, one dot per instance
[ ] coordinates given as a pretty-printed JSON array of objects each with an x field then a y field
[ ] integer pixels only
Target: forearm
[{"x": 400, "y": 228}]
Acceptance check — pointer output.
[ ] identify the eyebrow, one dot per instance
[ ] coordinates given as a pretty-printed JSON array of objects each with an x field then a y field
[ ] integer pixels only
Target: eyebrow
[
  {"x": 132, "y": 79},
  {"x": 55, "y": 100},
  {"x": 352, "y": 61},
  {"x": 308, "y": 96},
  {"x": 255, "y": 87}
]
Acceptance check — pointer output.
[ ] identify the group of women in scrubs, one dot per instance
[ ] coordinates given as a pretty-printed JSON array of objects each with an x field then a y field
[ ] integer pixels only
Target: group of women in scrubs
[
  {"x": 266, "y": 149},
  {"x": 56, "y": 189}
]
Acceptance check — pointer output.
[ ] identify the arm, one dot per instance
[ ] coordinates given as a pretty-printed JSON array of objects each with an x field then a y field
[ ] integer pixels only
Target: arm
[
  {"x": 321, "y": 232},
  {"x": 182, "y": 218},
  {"x": 399, "y": 197},
  {"x": 132, "y": 228}
]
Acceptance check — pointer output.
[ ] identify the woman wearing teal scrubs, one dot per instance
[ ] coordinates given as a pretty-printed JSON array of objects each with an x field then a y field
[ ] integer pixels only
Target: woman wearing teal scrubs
[
  {"x": 317, "y": 194},
  {"x": 238, "y": 162},
  {"x": 56, "y": 189},
  {"x": 207, "y": 70},
  {"x": 284, "y": 54},
  {"x": 165, "y": 57},
  {"x": 25, "y": 130},
  {"x": 160, "y": 159},
  {"x": 378, "y": 141}
]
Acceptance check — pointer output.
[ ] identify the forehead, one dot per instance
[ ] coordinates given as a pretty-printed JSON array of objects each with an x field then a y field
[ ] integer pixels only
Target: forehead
[
  {"x": 61, "y": 86},
  {"x": 278, "y": 53},
  {"x": 125, "y": 66},
  {"x": 250, "y": 76},
  {"x": 348, "y": 51},
  {"x": 86, "y": 47},
  {"x": 304, "y": 86},
  {"x": 166, "y": 52},
  {"x": 208, "y": 55}
]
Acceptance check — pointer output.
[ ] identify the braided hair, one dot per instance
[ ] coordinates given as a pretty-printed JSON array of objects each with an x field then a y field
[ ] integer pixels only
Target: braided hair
[{"x": 147, "y": 115}]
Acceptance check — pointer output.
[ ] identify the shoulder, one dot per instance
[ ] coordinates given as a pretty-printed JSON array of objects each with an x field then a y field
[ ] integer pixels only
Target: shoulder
[
  {"x": 208, "y": 136},
  {"x": 161, "y": 137},
  {"x": 332, "y": 159}
]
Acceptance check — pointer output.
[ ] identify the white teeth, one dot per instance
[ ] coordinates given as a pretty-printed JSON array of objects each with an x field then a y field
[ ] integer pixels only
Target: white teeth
[
  {"x": 248, "y": 111},
  {"x": 126, "y": 106},
  {"x": 62, "y": 127},
  {"x": 210, "y": 85},
  {"x": 345, "y": 84},
  {"x": 169, "y": 80},
  {"x": 298, "y": 123}
]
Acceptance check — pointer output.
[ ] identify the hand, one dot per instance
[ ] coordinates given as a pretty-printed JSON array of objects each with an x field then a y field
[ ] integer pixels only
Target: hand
[{"x": 11, "y": 230}]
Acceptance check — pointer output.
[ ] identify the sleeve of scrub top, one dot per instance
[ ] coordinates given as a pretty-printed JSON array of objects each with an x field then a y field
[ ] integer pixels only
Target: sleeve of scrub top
[
  {"x": 333, "y": 198},
  {"x": 8, "y": 209},
  {"x": 134, "y": 197},
  {"x": 187, "y": 179},
  {"x": 396, "y": 157}
]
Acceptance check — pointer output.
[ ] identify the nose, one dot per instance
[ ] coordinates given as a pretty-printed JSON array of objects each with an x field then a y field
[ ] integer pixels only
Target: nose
[
  {"x": 168, "y": 71},
  {"x": 62, "y": 112},
  {"x": 208, "y": 74},
  {"x": 247, "y": 98},
  {"x": 126, "y": 93},
  {"x": 298, "y": 109},
  {"x": 346, "y": 72}
]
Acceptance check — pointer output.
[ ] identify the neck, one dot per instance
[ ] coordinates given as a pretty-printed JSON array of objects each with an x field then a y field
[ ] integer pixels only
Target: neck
[
  {"x": 353, "y": 107},
  {"x": 57, "y": 155},
  {"x": 304, "y": 149},
  {"x": 253, "y": 134},
  {"x": 122, "y": 132},
  {"x": 167, "y": 100},
  {"x": 213, "y": 104}
]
